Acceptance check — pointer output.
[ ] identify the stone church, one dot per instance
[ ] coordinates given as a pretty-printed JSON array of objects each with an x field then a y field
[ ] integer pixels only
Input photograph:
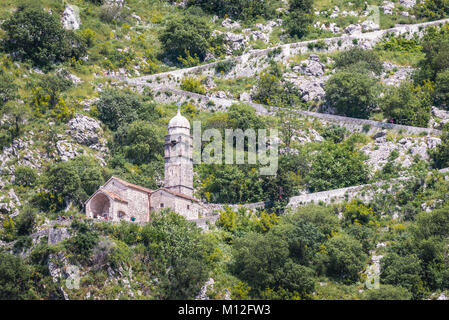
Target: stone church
[{"x": 120, "y": 200}]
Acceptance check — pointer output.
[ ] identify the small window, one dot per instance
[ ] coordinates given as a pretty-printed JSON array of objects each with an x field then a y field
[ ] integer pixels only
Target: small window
[
  {"x": 188, "y": 207},
  {"x": 162, "y": 205}
]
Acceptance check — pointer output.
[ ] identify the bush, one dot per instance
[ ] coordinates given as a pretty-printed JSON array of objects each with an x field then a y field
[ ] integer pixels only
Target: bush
[
  {"x": 224, "y": 67},
  {"x": 352, "y": 94},
  {"x": 403, "y": 271},
  {"x": 297, "y": 24},
  {"x": 433, "y": 9},
  {"x": 300, "y": 18},
  {"x": 334, "y": 133},
  {"x": 345, "y": 258},
  {"x": 82, "y": 244},
  {"x": 441, "y": 94},
  {"x": 26, "y": 222},
  {"x": 237, "y": 9},
  {"x": 192, "y": 85},
  {"x": 117, "y": 108},
  {"x": 435, "y": 45},
  {"x": 253, "y": 268},
  {"x": 387, "y": 292},
  {"x": 25, "y": 176},
  {"x": 15, "y": 278},
  {"x": 440, "y": 156},
  {"x": 8, "y": 89},
  {"x": 140, "y": 141},
  {"x": 179, "y": 255},
  {"x": 184, "y": 36},
  {"x": 358, "y": 58},
  {"x": 336, "y": 166},
  {"x": 36, "y": 35},
  {"x": 407, "y": 105}
]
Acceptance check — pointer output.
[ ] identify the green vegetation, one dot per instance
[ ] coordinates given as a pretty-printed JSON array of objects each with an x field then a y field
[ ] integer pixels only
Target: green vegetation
[
  {"x": 49, "y": 76},
  {"x": 32, "y": 33}
]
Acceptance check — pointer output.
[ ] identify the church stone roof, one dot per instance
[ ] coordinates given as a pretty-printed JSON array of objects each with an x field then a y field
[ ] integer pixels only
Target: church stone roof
[
  {"x": 134, "y": 186},
  {"x": 177, "y": 194}
]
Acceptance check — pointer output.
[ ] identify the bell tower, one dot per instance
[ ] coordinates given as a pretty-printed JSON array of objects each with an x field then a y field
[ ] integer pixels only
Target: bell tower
[{"x": 178, "y": 156}]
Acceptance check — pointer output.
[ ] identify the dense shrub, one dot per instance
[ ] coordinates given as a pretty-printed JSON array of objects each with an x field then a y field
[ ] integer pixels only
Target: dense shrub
[
  {"x": 117, "y": 108},
  {"x": 345, "y": 258},
  {"x": 300, "y": 18},
  {"x": 15, "y": 278},
  {"x": 407, "y": 105},
  {"x": 336, "y": 166},
  {"x": 192, "y": 85},
  {"x": 237, "y": 9},
  {"x": 432, "y": 9},
  {"x": 25, "y": 176},
  {"x": 435, "y": 45},
  {"x": 140, "y": 141},
  {"x": 8, "y": 89},
  {"x": 26, "y": 222},
  {"x": 352, "y": 94},
  {"x": 387, "y": 292},
  {"x": 403, "y": 271},
  {"x": 186, "y": 35},
  {"x": 297, "y": 24},
  {"x": 441, "y": 94},
  {"x": 358, "y": 58},
  {"x": 440, "y": 156},
  {"x": 36, "y": 35}
]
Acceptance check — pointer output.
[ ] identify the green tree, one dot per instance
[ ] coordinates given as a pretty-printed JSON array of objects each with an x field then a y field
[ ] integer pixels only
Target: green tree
[
  {"x": 8, "y": 89},
  {"x": 358, "y": 58},
  {"x": 63, "y": 184},
  {"x": 15, "y": 278},
  {"x": 26, "y": 222},
  {"x": 300, "y": 18},
  {"x": 237, "y": 9},
  {"x": 407, "y": 105},
  {"x": 402, "y": 271},
  {"x": 441, "y": 94},
  {"x": 117, "y": 108},
  {"x": 34, "y": 34},
  {"x": 25, "y": 176},
  {"x": 179, "y": 255},
  {"x": 440, "y": 156},
  {"x": 140, "y": 141},
  {"x": 336, "y": 166},
  {"x": 345, "y": 258},
  {"x": 259, "y": 258},
  {"x": 353, "y": 94},
  {"x": 297, "y": 279},
  {"x": 435, "y": 45},
  {"x": 186, "y": 35}
]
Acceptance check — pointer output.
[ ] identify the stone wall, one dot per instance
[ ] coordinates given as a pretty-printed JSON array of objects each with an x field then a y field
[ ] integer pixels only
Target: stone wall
[
  {"x": 203, "y": 102},
  {"x": 252, "y": 62}
]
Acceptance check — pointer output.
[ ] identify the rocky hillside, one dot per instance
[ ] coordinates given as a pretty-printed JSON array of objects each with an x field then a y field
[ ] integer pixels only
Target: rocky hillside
[{"x": 359, "y": 92}]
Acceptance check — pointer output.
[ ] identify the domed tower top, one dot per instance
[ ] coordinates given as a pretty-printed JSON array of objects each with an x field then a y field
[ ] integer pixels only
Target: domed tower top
[{"x": 179, "y": 124}]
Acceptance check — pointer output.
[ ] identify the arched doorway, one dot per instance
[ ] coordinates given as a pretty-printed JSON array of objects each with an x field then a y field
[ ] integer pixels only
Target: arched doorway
[{"x": 100, "y": 206}]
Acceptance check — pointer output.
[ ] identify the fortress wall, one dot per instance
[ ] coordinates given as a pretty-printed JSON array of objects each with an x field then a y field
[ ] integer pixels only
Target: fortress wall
[
  {"x": 169, "y": 95},
  {"x": 365, "y": 40}
]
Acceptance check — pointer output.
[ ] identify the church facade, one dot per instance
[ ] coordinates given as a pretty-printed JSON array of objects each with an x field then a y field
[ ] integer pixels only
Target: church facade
[{"x": 120, "y": 200}]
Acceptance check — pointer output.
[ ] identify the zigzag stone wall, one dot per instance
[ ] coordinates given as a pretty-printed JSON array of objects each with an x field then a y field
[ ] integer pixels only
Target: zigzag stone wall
[
  {"x": 252, "y": 62},
  {"x": 169, "y": 95}
]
